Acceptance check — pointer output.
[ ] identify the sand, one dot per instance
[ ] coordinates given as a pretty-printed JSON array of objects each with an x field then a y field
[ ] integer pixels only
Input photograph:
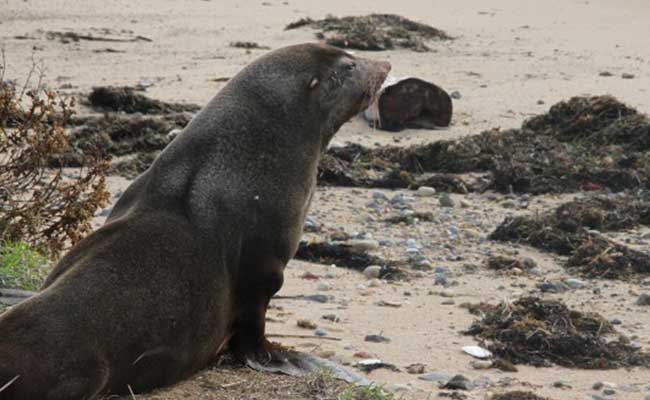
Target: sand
[{"x": 510, "y": 59}]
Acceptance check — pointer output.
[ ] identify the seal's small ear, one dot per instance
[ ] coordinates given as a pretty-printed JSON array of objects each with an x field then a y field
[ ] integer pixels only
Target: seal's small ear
[{"x": 313, "y": 83}]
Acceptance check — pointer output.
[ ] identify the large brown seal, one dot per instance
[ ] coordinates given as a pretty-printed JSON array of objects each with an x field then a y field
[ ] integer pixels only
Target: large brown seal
[{"x": 197, "y": 245}]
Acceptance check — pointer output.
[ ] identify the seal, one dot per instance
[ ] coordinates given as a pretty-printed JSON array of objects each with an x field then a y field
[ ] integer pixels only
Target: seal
[{"x": 195, "y": 248}]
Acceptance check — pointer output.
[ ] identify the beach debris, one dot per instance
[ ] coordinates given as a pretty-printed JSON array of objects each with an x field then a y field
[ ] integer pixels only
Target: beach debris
[
  {"x": 477, "y": 352},
  {"x": 125, "y": 99},
  {"x": 545, "y": 332},
  {"x": 373, "y": 32}
]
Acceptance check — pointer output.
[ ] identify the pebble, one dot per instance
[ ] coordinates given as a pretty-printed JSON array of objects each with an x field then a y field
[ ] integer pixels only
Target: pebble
[
  {"x": 425, "y": 191},
  {"x": 372, "y": 272},
  {"x": 643, "y": 300},
  {"x": 398, "y": 387},
  {"x": 627, "y": 75},
  {"x": 330, "y": 317},
  {"x": 324, "y": 286},
  {"x": 306, "y": 324},
  {"x": 458, "y": 382},
  {"x": 311, "y": 225},
  {"x": 423, "y": 264},
  {"x": 481, "y": 364},
  {"x": 465, "y": 204},
  {"x": 416, "y": 368},
  {"x": 562, "y": 384},
  {"x": 379, "y": 196},
  {"x": 377, "y": 339},
  {"x": 575, "y": 283},
  {"x": 445, "y": 200},
  {"x": 363, "y": 244},
  {"x": 605, "y": 74},
  {"x": 318, "y": 298},
  {"x": 320, "y": 332},
  {"x": 455, "y": 95},
  {"x": 440, "y": 377}
]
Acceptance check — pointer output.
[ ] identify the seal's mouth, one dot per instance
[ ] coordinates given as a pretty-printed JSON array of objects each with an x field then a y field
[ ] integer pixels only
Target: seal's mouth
[{"x": 377, "y": 74}]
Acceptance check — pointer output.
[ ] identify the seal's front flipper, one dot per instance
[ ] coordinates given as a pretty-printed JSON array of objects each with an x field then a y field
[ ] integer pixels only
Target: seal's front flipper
[{"x": 294, "y": 363}]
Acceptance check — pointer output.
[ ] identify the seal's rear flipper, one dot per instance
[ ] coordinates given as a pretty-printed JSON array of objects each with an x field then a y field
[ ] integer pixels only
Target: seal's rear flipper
[
  {"x": 294, "y": 363},
  {"x": 10, "y": 297}
]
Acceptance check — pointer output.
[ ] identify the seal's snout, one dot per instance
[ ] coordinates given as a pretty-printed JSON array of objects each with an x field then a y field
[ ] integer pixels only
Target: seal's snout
[{"x": 375, "y": 73}]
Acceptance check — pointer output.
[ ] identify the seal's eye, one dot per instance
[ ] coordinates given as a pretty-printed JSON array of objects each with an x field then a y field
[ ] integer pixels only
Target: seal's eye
[{"x": 350, "y": 67}]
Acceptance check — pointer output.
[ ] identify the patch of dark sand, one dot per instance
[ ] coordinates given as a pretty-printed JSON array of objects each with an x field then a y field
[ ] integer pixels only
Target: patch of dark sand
[
  {"x": 517, "y": 395},
  {"x": 544, "y": 332},
  {"x": 347, "y": 256},
  {"x": 569, "y": 230},
  {"x": 120, "y": 135},
  {"x": 125, "y": 99},
  {"x": 374, "y": 32}
]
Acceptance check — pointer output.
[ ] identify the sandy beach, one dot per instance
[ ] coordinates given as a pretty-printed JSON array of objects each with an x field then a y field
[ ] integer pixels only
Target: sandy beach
[{"x": 509, "y": 60}]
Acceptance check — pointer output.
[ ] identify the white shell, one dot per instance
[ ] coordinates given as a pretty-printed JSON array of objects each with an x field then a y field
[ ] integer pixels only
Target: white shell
[{"x": 478, "y": 352}]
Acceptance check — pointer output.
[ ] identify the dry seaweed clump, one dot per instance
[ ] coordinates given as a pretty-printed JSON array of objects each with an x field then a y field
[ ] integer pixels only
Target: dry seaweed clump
[
  {"x": 543, "y": 332},
  {"x": 564, "y": 229},
  {"x": 599, "y": 257},
  {"x": 357, "y": 166},
  {"x": 583, "y": 144},
  {"x": 125, "y": 99},
  {"x": 119, "y": 135},
  {"x": 517, "y": 395},
  {"x": 569, "y": 230},
  {"x": 373, "y": 32},
  {"x": 504, "y": 263},
  {"x": 347, "y": 256}
]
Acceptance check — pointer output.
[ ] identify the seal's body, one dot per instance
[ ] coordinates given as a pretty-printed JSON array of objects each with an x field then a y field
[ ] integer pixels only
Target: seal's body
[{"x": 196, "y": 246}]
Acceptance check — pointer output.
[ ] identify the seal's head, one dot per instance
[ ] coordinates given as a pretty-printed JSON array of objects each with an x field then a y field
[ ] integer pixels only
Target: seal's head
[{"x": 317, "y": 86}]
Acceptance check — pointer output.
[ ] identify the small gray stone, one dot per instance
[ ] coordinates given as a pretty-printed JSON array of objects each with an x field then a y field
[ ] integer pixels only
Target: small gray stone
[
  {"x": 363, "y": 244},
  {"x": 426, "y": 191},
  {"x": 318, "y": 298},
  {"x": 574, "y": 283},
  {"x": 379, "y": 196},
  {"x": 445, "y": 200},
  {"x": 455, "y": 95},
  {"x": 458, "y": 382},
  {"x": 330, "y": 317},
  {"x": 320, "y": 332},
  {"x": 440, "y": 377},
  {"x": 372, "y": 272},
  {"x": 627, "y": 75},
  {"x": 377, "y": 339},
  {"x": 643, "y": 300}
]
